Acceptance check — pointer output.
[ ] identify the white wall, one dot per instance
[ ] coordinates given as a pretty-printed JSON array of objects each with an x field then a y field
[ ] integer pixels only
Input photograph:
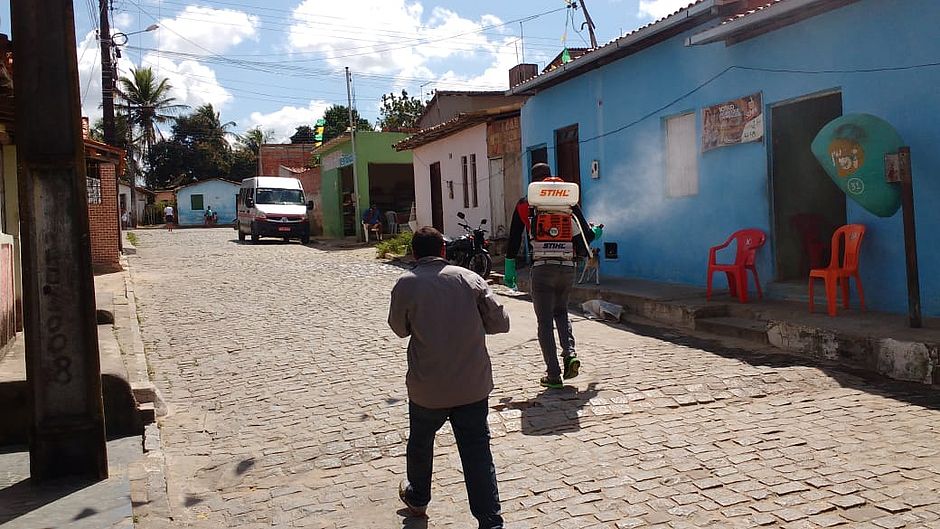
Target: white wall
[{"x": 448, "y": 151}]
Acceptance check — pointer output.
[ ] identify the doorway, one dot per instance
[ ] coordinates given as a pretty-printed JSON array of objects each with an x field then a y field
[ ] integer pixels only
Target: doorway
[
  {"x": 567, "y": 154},
  {"x": 807, "y": 205},
  {"x": 347, "y": 202},
  {"x": 437, "y": 198}
]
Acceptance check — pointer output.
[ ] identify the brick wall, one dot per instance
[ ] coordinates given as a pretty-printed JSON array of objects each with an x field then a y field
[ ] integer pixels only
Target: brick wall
[
  {"x": 294, "y": 155},
  {"x": 103, "y": 223},
  {"x": 504, "y": 139}
]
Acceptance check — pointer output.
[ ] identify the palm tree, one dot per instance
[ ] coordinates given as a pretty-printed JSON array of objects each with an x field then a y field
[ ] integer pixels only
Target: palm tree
[
  {"x": 148, "y": 103},
  {"x": 253, "y": 139}
]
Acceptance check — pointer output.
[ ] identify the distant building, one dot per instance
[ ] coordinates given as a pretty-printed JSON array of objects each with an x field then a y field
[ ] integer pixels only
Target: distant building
[{"x": 193, "y": 199}]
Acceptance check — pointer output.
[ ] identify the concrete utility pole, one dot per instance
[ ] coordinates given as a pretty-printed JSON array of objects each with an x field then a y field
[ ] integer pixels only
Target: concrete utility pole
[
  {"x": 67, "y": 433},
  {"x": 107, "y": 94},
  {"x": 107, "y": 74},
  {"x": 590, "y": 24},
  {"x": 352, "y": 139}
]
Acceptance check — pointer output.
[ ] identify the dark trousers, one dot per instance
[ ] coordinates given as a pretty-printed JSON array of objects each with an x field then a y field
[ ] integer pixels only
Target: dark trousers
[
  {"x": 473, "y": 443},
  {"x": 551, "y": 287}
]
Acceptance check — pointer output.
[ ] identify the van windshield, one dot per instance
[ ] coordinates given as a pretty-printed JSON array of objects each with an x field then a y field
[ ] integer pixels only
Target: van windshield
[{"x": 279, "y": 196}]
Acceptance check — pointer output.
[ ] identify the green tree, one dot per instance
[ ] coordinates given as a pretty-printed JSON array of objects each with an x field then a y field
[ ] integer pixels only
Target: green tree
[
  {"x": 148, "y": 103},
  {"x": 303, "y": 134},
  {"x": 337, "y": 122},
  {"x": 246, "y": 152},
  {"x": 198, "y": 150},
  {"x": 254, "y": 138},
  {"x": 399, "y": 113}
]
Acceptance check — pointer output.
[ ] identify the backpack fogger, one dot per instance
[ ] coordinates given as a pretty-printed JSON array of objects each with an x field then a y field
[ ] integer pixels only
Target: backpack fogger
[{"x": 552, "y": 225}]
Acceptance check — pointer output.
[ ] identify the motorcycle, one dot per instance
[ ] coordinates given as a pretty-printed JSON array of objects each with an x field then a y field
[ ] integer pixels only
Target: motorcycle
[{"x": 470, "y": 250}]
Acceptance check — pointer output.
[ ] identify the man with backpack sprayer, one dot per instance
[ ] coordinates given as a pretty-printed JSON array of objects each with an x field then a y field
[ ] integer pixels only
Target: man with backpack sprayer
[{"x": 552, "y": 220}]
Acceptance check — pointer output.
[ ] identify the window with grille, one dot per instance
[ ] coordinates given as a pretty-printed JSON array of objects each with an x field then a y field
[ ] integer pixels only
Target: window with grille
[
  {"x": 473, "y": 179},
  {"x": 466, "y": 181},
  {"x": 93, "y": 182},
  {"x": 681, "y": 156}
]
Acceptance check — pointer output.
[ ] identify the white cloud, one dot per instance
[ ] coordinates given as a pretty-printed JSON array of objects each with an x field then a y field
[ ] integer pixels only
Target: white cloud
[
  {"x": 198, "y": 29},
  {"x": 89, "y": 75},
  {"x": 123, "y": 20},
  {"x": 657, "y": 9},
  {"x": 193, "y": 83},
  {"x": 285, "y": 121},
  {"x": 387, "y": 36}
]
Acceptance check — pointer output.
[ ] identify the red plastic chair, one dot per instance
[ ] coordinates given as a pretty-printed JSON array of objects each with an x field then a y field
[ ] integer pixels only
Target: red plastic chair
[
  {"x": 748, "y": 242},
  {"x": 808, "y": 226},
  {"x": 836, "y": 274}
]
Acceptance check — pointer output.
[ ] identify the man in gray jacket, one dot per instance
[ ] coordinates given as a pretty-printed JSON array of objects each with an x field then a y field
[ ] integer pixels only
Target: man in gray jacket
[{"x": 447, "y": 311}]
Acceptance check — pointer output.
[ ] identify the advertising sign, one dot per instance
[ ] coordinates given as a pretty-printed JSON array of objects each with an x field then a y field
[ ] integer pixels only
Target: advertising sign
[{"x": 737, "y": 121}]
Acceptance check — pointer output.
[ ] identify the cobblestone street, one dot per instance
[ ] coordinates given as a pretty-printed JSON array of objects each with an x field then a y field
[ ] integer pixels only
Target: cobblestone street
[{"x": 287, "y": 408}]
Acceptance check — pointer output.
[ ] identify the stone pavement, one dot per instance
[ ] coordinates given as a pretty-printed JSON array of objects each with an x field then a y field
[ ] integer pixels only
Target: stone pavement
[{"x": 287, "y": 408}]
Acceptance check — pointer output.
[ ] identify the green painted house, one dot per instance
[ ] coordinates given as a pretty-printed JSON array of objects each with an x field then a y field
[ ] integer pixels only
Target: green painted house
[{"x": 386, "y": 179}]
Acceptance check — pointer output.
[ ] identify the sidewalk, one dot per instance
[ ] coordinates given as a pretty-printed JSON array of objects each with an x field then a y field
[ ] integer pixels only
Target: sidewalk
[
  {"x": 130, "y": 403},
  {"x": 871, "y": 341}
]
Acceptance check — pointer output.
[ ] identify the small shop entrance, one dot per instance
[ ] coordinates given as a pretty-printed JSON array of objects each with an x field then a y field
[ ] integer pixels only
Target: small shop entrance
[
  {"x": 807, "y": 206},
  {"x": 392, "y": 189},
  {"x": 347, "y": 205}
]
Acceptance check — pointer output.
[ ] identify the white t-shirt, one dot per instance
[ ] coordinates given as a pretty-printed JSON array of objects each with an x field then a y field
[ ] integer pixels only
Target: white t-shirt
[{"x": 168, "y": 211}]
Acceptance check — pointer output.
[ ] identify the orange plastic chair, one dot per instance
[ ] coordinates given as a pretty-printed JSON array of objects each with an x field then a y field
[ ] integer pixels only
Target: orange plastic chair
[
  {"x": 748, "y": 242},
  {"x": 836, "y": 274}
]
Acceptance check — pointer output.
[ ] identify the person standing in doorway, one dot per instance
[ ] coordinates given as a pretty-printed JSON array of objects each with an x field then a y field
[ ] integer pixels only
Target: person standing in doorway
[
  {"x": 552, "y": 281},
  {"x": 447, "y": 311},
  {"x": 168, "y": 217}
]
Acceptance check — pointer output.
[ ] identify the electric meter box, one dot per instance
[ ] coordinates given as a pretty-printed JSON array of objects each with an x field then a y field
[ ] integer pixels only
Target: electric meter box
[{"x": 553, "y": 194}]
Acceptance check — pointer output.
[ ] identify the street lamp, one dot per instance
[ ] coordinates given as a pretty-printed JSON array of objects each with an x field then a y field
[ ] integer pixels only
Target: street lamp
[{"x": 120, "y": 38}]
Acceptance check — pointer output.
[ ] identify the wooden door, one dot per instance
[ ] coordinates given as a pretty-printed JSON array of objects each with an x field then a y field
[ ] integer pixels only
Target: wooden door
[
  {"x": 567, "y": 154},
  {"x": 437, "y": 205}
]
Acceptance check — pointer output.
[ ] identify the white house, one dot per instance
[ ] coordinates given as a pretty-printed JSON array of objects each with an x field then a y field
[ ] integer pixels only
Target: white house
[
  {"x": 142, "y": 196},
  {"x": 460, "y": 166}
]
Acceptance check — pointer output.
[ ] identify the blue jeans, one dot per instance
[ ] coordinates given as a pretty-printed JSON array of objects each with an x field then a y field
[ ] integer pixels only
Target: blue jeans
[{"x": 473, "y": 442}]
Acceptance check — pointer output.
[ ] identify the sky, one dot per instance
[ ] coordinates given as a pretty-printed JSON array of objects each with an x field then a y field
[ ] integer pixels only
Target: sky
[{"x": 277, "y": 64}]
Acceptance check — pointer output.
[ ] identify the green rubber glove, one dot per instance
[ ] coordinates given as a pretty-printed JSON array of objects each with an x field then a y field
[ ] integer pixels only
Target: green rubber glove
[{"x": 509, "y": 273}]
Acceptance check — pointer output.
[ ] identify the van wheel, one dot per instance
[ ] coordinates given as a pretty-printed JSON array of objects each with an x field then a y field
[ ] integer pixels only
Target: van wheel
[
  {"x": 286, "y": 239},
  {"x": 241, "y": 234},
  {"x": 305, "y": 239},
  {"x": 254, "y": 234}
]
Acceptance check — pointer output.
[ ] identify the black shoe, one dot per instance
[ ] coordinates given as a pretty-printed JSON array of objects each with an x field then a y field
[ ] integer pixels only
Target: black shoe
[
  {"x": 572, "y": 367},
  {"x": 413, "y": 510},
  {"x": 553, "y": 383}
]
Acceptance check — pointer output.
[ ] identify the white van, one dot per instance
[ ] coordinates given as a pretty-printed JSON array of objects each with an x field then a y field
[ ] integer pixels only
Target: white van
[{"x": 272, "y": 206}]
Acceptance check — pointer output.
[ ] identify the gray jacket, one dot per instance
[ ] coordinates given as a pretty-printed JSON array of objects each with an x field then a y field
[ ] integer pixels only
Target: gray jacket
[{"x": 447, "y": 311}]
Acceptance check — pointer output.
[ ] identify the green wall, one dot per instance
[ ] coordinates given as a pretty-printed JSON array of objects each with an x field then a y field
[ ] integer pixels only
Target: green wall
[{"x": 371, "y": 147}]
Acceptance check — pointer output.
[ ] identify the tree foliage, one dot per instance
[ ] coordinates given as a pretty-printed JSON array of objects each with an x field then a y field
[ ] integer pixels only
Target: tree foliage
[
  {"x": 303, "y": 134},
  {"x": 399, "y": 113},
  {"x": 337, "y": 122},
  {"x": 198, "y": 150},
  {"x": 147, "y": 101}
]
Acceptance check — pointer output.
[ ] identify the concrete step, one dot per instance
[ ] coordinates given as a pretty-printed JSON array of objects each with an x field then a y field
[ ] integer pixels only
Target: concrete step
[{"x": 747, "y": 329}]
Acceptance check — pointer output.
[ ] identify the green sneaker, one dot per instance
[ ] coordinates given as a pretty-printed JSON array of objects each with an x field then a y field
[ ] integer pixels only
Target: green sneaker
[
  {"x": 553, "y": 383},
  {"x": 572, "y": 367}
]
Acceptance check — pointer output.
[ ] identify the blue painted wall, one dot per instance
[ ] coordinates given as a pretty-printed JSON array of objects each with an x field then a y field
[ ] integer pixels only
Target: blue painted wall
[
  {"x": 219, "y": 194},
  {"x": 667, "y": 239}
]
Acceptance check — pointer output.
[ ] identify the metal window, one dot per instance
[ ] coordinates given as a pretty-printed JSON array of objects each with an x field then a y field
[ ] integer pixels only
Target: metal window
[
  {"x": 466, "y": 181},
  {"x": 681, "y": 156},
  {"x": 473, "y": 179},
  {"x": 93, "y": 182}
]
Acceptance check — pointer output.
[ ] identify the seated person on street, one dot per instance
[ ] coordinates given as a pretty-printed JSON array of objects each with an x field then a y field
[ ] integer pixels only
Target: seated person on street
[{"x": 372, "y": 219}]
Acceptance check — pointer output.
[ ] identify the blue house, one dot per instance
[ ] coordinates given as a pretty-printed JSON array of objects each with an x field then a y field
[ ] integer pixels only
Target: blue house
[
  {"x": 193, "y": 199},
  {"x": 700, "y": 124}
]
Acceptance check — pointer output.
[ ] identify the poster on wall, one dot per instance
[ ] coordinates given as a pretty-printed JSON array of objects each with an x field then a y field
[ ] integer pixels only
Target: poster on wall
[{"x": 738, "y": 121}]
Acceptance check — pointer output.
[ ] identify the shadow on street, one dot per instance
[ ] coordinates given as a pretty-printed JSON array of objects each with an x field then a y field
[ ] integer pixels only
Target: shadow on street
[{"x": 552, "y": 411}]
